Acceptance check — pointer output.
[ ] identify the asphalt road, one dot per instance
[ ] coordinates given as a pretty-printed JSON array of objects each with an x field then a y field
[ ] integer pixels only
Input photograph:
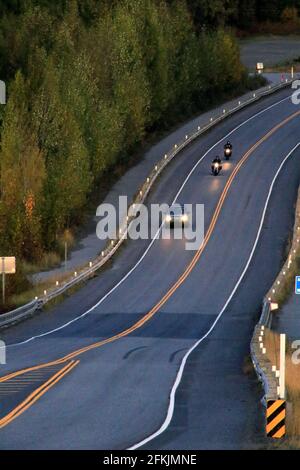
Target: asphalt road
[
  {"x": 271, "y": 50},
  {"x": 115, "y": 393}
]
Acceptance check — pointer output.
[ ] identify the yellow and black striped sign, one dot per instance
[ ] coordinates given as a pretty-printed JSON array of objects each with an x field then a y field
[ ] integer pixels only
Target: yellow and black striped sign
[{"x": 276, "y": 418}]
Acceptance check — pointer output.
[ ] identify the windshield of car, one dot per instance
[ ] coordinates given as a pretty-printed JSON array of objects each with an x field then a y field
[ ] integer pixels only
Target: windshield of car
[{"x": 176, "y": 210}]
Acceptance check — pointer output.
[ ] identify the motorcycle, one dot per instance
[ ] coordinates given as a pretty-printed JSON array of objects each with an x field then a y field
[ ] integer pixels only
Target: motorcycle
[
  {"x": 216, "y": 168},
  {"x": 227, "y": 153}
]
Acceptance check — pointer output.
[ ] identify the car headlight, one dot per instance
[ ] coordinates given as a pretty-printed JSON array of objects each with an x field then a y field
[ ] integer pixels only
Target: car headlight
[
  {"x": 184, "y": 218},
  {"x": 168, "y": 218}
]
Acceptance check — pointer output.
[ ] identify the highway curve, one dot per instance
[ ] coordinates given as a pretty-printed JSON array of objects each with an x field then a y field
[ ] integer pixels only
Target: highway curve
[{"x": 101, "y": 379}]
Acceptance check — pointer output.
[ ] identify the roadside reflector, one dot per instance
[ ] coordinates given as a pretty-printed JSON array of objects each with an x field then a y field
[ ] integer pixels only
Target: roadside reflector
[{"x": 276, "y": 410}]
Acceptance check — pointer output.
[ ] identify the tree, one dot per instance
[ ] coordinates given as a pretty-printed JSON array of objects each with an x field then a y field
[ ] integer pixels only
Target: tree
[
  {"x": 289, "y": 14},
  {"x": 213, "y": 12},
  {"x": 22, "y": 178},
  {"x": 246, "y": 13},
  {"x": 129, "y": 74},
  {"x": 67, "y": 163},
  {"x": 89, "y": 79},
  {"x": 268, "y": 10}
]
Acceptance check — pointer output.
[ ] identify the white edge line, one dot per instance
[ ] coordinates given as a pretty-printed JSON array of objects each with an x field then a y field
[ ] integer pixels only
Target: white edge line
[
  {"x": 47, "y": 333},
  {"x": 171, "y": 407}
]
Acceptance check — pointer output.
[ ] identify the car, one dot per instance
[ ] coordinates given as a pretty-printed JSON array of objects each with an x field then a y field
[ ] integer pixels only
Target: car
[{"x": 177, "y": 216}]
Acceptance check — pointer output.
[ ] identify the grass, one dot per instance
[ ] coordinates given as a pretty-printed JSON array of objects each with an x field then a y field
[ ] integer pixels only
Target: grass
[
  {"x": 37, "y": 290},
  {"x": 29, "y": 290},
  {"x": 48, "y": 261}
]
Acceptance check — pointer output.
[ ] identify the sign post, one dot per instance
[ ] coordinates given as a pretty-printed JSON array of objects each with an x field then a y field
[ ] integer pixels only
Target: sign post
[
  {"x": 259, "y": 67},
  {"x": 8, "y": 266}
]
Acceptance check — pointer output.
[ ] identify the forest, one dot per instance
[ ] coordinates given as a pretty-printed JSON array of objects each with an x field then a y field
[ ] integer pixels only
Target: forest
[{"x": 87, "y": 82}]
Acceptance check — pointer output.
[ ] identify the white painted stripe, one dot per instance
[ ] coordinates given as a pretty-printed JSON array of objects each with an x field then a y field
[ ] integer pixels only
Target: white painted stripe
[
  {"x": 171, "y": 407},
  {"x": 65, "y": 325}
]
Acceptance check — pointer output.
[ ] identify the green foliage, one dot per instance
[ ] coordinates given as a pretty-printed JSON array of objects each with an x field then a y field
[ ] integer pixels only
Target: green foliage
[
  {"x": 129, "y": 73},
  {"x": 87, "y": 80},
  {"x": 22, "y": 173},
  {"x": 289, "y": 14}
]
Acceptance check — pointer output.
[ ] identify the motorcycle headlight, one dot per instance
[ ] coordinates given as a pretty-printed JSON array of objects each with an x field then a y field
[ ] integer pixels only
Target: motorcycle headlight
[
  {"x": 168, "y": 218},
  {"x": 184, "y": 218}
]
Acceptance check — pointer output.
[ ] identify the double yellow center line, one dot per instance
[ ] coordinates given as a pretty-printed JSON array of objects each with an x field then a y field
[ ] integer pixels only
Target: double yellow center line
[
  {"x": 33, "y": 397},
  {"x": 38, "y": 393}
]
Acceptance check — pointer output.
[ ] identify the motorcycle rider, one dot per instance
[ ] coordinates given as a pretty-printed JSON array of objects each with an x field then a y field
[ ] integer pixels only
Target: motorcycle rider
[
  {"x": 227, "y": 150},
  {"x": 228, "y": 145},
  {"x": 216, "y": 162}
]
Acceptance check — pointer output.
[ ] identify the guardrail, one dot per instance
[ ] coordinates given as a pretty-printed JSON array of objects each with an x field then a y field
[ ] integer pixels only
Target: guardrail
[
  {"x": 30, "y": 308},
  {"x": 261, "y": 363},
  {"x": 20, "y": 313},
  {"x": 264, "y": 369}
]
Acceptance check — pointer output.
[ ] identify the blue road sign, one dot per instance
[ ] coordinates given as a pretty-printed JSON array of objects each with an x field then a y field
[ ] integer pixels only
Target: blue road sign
[{"x": 297, "y": 285}]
